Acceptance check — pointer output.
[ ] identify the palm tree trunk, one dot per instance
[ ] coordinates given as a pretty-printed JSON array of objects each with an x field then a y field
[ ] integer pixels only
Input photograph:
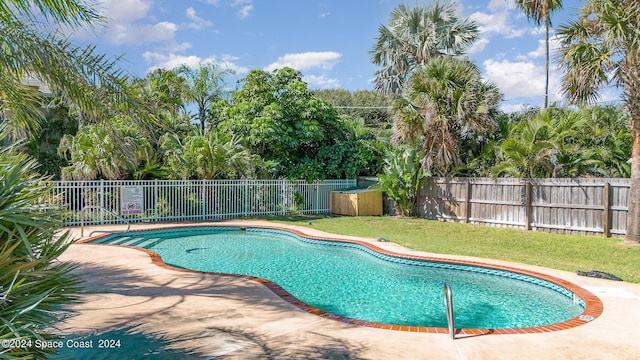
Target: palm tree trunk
[
  {"x": 201, "y": 116},
  {"x": 631, "y": 78},
  {"x": 547, "y": 24},
  {"x": 633, "y": 216}
]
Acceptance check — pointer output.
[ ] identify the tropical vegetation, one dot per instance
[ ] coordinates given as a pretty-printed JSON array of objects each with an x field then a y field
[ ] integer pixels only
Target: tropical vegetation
[
  {"x": 34, "y": 286},
  {"x": 416, "y": 35},
  {"x": 600, "y": 48}
]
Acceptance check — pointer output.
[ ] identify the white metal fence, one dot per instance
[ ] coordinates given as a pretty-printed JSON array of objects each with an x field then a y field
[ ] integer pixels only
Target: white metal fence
[{"x": 166, "y": 200}]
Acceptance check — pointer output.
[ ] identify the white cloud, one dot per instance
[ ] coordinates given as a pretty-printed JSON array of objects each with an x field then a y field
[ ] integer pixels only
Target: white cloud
[
  {"x": 497, "y": 23},
  {"x": 514, "y": 108},
  {"x": 173, "y": 47},
  {"x": 171, "y": 60},
  {"x": 303, "y": 61},
  {"x": 228, "y": 62},
  {"x": 125, "y": 10},
  {"x": 244, "y": 12},
  {"x": 245, "y": 7},
  {"x": 121, "y": 27},
  {"x": 522, "y": 79},
  {"x": 198, "y": 22},
  {"x": 501, "y": 5},
  {"x": 321, "y": 82},
  {"x": 138, "y": 34},
  {"x": 540, "y": 51},
  {"x": 479, "y": 45}
]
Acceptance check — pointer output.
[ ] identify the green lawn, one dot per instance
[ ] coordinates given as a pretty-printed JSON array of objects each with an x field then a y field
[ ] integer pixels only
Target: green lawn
[{"x": 564, "y": 252}]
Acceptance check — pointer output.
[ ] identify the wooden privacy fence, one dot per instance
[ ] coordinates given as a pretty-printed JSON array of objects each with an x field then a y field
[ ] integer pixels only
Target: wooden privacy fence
[{"x": 588, "y": 206}]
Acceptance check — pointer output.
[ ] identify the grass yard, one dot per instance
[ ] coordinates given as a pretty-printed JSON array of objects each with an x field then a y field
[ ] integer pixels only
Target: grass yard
[{"x": 563, "y": 252}]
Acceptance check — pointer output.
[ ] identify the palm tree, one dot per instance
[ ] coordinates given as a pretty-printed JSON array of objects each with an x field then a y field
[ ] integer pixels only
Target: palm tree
[
  {"x": 603, "y": 47},
  {"x": 539, "y": 11},
  {"x": 212, "y": 156},
  {"x": 203, "y": 86},
  {"x": 49, "y": 60},
  {"x": 413, "y": 37},
  {"x": 111, "y": 150},
  {"x": 445, "y": 103},
  {"x": 527, "y": 152},
  {"x": 34, "y": 285}
]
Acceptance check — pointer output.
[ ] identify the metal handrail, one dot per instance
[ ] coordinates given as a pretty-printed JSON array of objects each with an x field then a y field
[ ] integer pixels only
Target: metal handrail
[
  {"x": 448, "y": 305},
  {"x": 100, "y": 208}
]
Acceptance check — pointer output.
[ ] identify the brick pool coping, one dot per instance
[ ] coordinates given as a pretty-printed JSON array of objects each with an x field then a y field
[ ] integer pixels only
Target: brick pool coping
[{"x": 593, "y": 305}]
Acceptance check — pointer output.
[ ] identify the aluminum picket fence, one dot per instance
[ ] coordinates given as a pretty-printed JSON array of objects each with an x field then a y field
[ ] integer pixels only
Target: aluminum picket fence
[{"x": 175, "y": 200}]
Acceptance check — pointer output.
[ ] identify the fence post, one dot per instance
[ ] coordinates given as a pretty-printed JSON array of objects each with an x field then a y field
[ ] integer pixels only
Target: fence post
[
  {"x": 317, "y": 197},
  {"x": 606, "y": 218},
  {"x": 203, "y": 199},
  {"x": 527, "y": 204},
  {"x": 102, "y": 201},
  {"x": 155, "y": 200},
  {"x": 467, "y": 202}
]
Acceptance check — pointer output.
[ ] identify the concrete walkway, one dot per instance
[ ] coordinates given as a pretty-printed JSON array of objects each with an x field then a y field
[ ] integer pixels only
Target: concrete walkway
[{"x": 160, "y": 313}]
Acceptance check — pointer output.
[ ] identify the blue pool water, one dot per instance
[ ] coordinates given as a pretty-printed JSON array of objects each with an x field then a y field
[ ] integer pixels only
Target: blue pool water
[{"x": 353, "y": 281}]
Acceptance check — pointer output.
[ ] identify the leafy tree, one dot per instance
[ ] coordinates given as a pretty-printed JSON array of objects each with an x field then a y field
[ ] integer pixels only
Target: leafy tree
[
  {"x": 203, "y": 86},
  {"x": 446, "y": 103},
  {"x": 43, "y": 145},
  {"x": 416, "y": 35},
  {"x": 539, "y": 11},
  {"x": 280, "y": 120},
  {"x": 34, "y": 287},
  {"x": 400, "y": 179},
  {"x": 603, "y": 47},
  {"x": 372, "y": 107}
]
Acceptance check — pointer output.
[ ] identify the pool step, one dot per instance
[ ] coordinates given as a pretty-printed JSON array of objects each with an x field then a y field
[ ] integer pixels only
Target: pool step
[
  {"x": 108, "y": 240},
  {"x": 144, "y": 242}
]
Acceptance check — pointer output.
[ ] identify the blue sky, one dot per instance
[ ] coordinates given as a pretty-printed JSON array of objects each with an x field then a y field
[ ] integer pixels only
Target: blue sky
[{"x": 327, "y": 40}]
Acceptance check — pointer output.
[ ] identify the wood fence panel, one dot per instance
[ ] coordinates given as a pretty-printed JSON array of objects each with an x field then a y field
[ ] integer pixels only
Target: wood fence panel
[
  {"x": 571, "y": 206},
  {"x": 619, "y": 208}
]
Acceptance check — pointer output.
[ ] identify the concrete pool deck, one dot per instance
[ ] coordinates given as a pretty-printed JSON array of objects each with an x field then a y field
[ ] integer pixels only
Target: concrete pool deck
[{"x": 210, "y": 316}]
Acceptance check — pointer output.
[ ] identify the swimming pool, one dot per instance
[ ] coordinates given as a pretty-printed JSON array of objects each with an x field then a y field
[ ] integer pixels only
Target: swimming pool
[{"x": 355, "y": 282}]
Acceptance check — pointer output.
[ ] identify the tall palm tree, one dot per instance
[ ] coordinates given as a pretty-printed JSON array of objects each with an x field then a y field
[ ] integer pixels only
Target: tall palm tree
[
  {"x": 445, "y": 103},
  {"x": 601, "y": 48},
  {"x": 416, "y": 35},
  {"x": 203, "y": 86},
  {"x": 539, "y": 11}
]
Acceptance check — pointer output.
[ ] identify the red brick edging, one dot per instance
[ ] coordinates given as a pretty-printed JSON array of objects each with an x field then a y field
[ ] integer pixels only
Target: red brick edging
[{"x": 593, "y": 305}]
